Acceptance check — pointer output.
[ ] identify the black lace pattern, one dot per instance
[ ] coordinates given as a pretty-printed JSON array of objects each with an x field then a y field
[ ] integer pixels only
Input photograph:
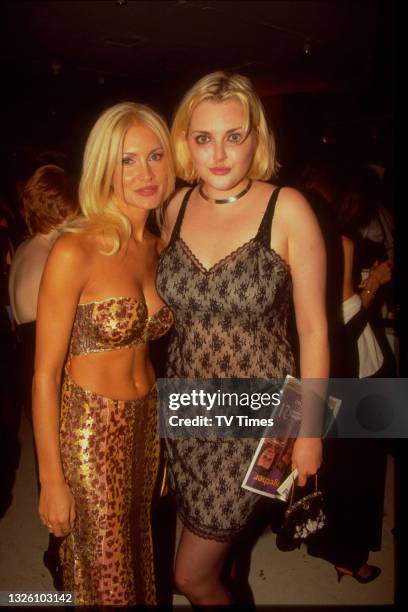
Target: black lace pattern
[{"x": 231, "y": 321}]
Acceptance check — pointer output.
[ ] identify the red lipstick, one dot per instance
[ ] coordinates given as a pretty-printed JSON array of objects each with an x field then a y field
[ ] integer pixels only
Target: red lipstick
[
  {"x": 149, "y": 190},
  {"x": 220, "y": 170}
]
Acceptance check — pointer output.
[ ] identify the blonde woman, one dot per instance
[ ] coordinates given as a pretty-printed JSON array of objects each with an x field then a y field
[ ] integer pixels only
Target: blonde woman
[
  {"x": 98, "y": 308},
  {"x": 239, "y": 250}
]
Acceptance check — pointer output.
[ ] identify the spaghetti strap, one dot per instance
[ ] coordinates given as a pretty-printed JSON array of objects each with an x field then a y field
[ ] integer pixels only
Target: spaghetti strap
[
  {"x": 264, "y": 232},
  {"x": 231, "y": 321},
  {"x": 176, "y": 230}
]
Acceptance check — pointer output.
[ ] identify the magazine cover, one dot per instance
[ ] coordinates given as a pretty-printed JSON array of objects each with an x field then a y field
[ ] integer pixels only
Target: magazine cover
[{"x": 270, "y": 472}]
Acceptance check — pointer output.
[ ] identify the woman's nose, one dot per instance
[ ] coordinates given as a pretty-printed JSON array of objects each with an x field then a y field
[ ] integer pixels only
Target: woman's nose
[
  {"x": 219, "y": 151},
  {"x": 145, "y": 173}
]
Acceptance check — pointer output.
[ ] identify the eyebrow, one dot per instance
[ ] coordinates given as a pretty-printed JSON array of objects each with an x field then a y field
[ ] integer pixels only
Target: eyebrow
[
  {"x": 228, "y": 131},
  {"x": 150, "y": 152}
]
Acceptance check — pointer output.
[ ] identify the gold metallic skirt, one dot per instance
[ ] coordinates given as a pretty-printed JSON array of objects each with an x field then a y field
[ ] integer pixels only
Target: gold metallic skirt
[{"x": 110, "y": 456}]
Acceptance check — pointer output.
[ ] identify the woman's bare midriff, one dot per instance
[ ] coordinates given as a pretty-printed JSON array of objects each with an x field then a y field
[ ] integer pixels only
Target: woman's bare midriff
[{"x": 122, "y": 374}]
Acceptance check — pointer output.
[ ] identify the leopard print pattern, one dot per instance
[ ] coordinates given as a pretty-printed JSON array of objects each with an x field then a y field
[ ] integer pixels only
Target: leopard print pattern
[{"x": 110, "y": 456}]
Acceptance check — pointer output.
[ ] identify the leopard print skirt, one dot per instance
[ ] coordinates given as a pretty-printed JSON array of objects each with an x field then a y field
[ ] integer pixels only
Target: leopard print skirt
[{"x": 110, "y": 455}]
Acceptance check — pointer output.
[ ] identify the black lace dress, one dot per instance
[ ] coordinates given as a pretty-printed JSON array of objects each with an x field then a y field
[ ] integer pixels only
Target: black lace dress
[{"x": 231, "y": 321}]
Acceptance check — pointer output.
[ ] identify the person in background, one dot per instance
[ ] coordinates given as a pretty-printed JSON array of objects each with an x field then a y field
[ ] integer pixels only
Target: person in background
[
  {"x": 49, "y": 200},
  {"x": 378, "y": 225},
  {"x": 239, "y": 250},
  {"x": 9, "y": 407},
  {"x": 353, "y": 472},
  {"x": 372, "y": 260},
  {"x": 94, "y": 394}
]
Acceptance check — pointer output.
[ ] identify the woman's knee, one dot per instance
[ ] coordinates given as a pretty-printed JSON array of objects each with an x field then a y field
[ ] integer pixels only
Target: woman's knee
[
  {"x": 194, "y": 586},
  {"x": 186, "y": 582}
]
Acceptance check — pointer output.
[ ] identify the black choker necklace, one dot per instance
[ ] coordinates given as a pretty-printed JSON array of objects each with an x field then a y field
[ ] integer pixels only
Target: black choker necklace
[{"x": 229, "y": 200}]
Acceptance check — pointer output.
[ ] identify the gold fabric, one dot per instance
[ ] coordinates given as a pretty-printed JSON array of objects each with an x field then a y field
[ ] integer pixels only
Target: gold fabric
[
  {"x": 110, "y": 454},
  {"x": 115, "y": 323}
]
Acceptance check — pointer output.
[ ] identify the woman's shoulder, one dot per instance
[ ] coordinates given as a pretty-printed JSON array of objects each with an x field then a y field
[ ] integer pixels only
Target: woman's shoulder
[
  {"x": 74, "y": 248},
  {"x": 23, "y": 248},
  {"x": 293, "y": 207},
  {"x": 69, "y": 262},
  {"x": 31, "y": 249},
  {"x": 292, "y": 198},
  {"x": 288, "y": 198}
]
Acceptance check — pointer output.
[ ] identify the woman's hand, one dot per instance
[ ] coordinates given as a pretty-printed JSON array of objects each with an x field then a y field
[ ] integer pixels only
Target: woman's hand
[
  {"x": 57, "y": 508},
  {"x": 379, "y": 274},
  {"x": 306, "y": 457}
]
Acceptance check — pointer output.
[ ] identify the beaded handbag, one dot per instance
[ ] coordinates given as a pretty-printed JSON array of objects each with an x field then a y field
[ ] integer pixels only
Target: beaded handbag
[{"x": 305, "y": 517}]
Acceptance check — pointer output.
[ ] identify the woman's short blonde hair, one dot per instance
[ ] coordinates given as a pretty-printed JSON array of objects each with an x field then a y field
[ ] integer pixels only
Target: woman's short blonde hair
[
  {"x": 217, "y": 87},
  {"x": 49, "y": 198},
  {"x": 103, "y": 151}
]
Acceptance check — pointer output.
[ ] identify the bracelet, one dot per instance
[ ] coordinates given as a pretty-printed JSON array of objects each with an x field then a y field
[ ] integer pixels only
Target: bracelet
[{"x": 370, "y": 291}]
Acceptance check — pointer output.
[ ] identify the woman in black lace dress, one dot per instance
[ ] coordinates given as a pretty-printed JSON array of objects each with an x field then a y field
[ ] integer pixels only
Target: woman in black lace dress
[{"x": 239, "y": 250}]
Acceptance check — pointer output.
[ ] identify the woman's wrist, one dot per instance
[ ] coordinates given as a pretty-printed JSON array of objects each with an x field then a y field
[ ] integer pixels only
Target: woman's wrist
[
  {"x": 367, "y": 295},
  {"x": 52, "y": 481},
  {"x": 370, "y": 289}
]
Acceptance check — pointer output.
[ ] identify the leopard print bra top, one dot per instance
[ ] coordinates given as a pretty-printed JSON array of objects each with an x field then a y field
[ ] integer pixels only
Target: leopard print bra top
[
  {"x": 115, "y": 323},
  {"x": 233, "y": 319}
]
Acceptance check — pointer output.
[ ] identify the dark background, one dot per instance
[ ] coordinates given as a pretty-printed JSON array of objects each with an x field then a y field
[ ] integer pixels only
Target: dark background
[{"x": 325, "y": 70}]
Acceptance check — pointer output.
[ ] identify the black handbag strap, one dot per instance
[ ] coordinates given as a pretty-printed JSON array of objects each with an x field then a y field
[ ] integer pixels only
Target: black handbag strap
[{"x": 293, "y": 489}]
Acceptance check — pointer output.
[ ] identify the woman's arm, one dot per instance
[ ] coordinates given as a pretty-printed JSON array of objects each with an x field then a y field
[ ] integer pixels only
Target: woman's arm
[
  {"x": 307, "y": 261},
  {"x": 61, "y": 287},
  {"x": 348, "y": 254}
]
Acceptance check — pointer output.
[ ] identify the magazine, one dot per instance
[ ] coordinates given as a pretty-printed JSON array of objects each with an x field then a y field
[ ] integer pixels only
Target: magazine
[{"x": 270, "y": 472}]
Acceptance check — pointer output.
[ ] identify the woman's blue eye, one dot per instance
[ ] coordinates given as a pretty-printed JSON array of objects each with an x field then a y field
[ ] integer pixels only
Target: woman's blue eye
[
  {"x": 202, "y": 139},
  {"x": 236, "y": 137},
  {"x": 127, "y": 161},
  {"x": 156, "y": 156}
]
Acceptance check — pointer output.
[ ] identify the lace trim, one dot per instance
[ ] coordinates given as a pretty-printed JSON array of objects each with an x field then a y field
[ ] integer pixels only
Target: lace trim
[
  {"x": 227, "y": 537},
  {"x": 230, "y": 256},
  {"x": 279, "y": 258}
]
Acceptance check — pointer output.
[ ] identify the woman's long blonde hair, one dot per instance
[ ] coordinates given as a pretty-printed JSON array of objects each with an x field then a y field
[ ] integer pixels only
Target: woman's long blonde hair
[
  {"x": 103, "y": 151},
  {"x": 217, "y": 87}
]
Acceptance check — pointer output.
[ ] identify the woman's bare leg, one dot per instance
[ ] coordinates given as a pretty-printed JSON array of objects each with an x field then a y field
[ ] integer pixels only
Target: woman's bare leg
[{"x": 199, "y": 563}]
